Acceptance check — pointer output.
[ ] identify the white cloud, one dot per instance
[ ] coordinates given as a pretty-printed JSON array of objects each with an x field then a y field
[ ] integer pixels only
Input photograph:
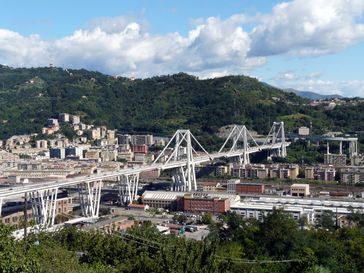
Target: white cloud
[
  {"x": 117, "y": 46},
  {"x": 213, "y": 47},
  {"x": 354, "y": 88},
  {"x": 344, "y": 88},
  {"x": 17, "y": 50},
  {"x": 289, "y": 76},
  {"x": 313, "y": 75},
  {"x": 308, "y": 27}
]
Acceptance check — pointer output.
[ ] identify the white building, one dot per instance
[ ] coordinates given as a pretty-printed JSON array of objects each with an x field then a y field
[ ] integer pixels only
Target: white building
[
  {"x": 303, "y": 131},
  {"x": 231, "y": 185},
  {"x": 309, "y": 209},
  {"x": 300, "y": 189}
]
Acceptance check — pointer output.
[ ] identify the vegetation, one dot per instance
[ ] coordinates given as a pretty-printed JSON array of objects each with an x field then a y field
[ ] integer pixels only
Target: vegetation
[
  {"x": 157, "y": 105},
  {"x": 234, "y": 245}
]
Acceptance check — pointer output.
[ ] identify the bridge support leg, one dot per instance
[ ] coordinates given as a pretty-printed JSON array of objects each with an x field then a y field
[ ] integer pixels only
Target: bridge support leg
[
  {"x": 353, "y": 149},
  {"x": 184, "y": 178},
  {"x": 1, "y": 206},
  {"x": 244, "y": 158},
  {"x": 90, "y": 194},
  {"x": 44, "y": 203},
  {"x": 128, "y": 188}
]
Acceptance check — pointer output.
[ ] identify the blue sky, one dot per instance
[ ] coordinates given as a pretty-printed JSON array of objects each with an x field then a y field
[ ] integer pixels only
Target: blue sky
[{"x": 304, "y": 44}]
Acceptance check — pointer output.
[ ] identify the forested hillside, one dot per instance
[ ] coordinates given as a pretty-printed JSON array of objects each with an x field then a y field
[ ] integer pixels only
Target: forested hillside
[{"x": 158, "y": 105}]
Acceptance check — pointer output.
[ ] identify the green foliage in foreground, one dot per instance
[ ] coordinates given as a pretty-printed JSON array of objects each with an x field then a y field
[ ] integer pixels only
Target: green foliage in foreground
[{"x": 234, "y": 245}]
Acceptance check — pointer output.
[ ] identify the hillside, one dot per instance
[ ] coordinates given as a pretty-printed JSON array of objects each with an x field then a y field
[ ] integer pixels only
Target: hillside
[
  {"x": 312, "y": 95},
  {"x": 158, "y": 105}
]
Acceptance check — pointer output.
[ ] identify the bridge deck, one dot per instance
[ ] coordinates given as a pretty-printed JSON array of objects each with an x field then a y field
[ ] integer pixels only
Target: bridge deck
[{"x": 20, "y": 190}]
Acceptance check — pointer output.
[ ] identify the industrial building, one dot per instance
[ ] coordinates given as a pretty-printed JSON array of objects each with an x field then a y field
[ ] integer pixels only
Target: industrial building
[
  {"x": 308, "y": 209},
  {"x": 234, "y": 186},
  {"x": 300, "y": 190},
  {"x": 192, "y": 202},
  {"x": 203, "y": 202}
]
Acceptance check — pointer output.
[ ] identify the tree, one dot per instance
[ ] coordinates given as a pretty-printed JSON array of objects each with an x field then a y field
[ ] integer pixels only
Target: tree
[
  {"x": 181, "y": 218},
  {"x": 327, "y": 220},
  {"x": 207, "y": 219},
  {"x": 67, "y": 130},
  {"x": 279, "y": 234}
]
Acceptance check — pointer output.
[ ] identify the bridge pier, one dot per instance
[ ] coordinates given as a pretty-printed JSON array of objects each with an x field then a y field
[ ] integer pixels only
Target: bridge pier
[
  {"x": 90, "y": 193},
  {"x": 128, "y": 188},
  {"x": 184, "y": 179},
  {"x": 353, "y": 148},
  {"x": 1, "y": 206},
  {"x": 44, "y": 203},
  {"x": 184, "y": 175},
  {"x": 240, "y": 133},
  {"x": 276, "y": 139}
]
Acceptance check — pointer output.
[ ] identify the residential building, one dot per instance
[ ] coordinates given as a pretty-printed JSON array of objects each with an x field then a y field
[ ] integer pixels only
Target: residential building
[
  {"x": 57, "y": 153},
  {"x": 108, "y": 154},
  {"x": 303, "y": 131},
  {"x": 93, "y": 154},
  {"x": 6, "y": 156},
  {"x": 221, "y": 170},
  {"x": 309, "y": 173},
  {"x": 335, "y": 159},
  {"x": 140, "y": 157},
  {"x": 29, "y": 166},
  {"x": 326, "y": 174},
  {"x": 73, "y": 151},
  {"x": 143, "y": 148},
  {"x": 352, "y": 175},
  {"x": 102, "y": 142},
  {"x": 284, "y": 171},
  {"x": 75, "y": 119},
  {"x": 142, "y": 140},
  {"x": 64, "y": 117},
  {"x": 127, "y": 155},
  {"x": 96, "y": 133},
  {"x": 124, "y": 139},
  {"x": 52, "y": 122},
  {"x": 110, "y": 134},
  {"x": 41, "y": 144}
]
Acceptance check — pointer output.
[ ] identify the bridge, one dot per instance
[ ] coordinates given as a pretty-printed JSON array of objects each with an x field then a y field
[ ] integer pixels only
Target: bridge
[{"x": 182, "y": 153}]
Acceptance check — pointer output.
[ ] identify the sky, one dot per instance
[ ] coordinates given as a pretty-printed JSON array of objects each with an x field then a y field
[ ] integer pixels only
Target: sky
[{"x": 311, "y": 45}]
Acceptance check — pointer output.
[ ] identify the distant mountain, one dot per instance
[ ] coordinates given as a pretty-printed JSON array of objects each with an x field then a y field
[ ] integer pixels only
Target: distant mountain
[{"x": 311, "y": 95}]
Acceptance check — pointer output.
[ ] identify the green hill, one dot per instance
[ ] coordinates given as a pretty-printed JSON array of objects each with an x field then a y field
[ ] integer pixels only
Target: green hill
[{"x": 158, "y": 105}]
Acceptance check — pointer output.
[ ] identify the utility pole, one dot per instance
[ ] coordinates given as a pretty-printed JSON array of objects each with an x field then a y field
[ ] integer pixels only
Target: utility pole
[{"x": 25, "y": 214}]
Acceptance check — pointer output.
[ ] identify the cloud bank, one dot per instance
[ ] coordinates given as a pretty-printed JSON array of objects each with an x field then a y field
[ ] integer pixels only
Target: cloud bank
[{"x": 213, "y": 47}]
